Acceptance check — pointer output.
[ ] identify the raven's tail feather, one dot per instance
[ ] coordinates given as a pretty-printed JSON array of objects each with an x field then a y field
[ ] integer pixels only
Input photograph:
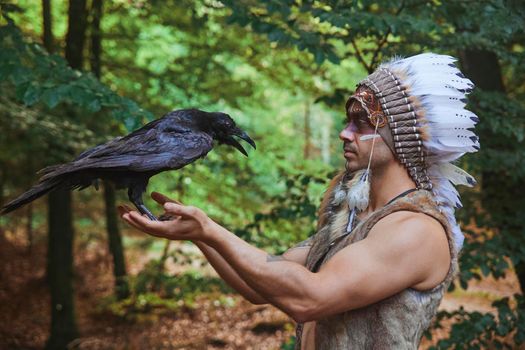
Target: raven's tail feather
[
  {"x": 49, "y": 172},
  {"x": 33, "y": 193}
]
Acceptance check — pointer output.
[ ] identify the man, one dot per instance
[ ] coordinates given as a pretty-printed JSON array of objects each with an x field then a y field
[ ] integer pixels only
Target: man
[{"x": 386, "y": 248}]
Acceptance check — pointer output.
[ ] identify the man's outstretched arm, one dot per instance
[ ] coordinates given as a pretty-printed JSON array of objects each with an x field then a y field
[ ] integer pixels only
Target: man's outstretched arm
[
  {"x": 229, "y": 275},
  {"x": 360, "y": 274},
  {"x": 297, "y": 253}
]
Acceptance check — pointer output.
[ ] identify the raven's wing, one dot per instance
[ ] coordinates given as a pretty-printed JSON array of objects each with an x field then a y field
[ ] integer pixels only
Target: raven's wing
[
  {"x": 59, "y": 169},
  {"x": 155, "y": 154},
  {"x": 150, "y": 150}
]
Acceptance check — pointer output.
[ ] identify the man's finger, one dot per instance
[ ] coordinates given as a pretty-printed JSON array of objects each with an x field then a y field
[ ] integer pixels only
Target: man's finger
[
  {"x": 146, "y": 223},
  {"x": 132, "y": 223},
  {"x": 142, "y": 223},
  {"x": 180, "y": 210},
  {"x": 126, "y": 217},
  {"x": 161, "y": 199},
  {"x": 121, "y": 210}
]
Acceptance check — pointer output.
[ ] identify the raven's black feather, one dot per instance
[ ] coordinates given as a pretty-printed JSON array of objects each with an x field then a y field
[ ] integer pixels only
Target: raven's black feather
[{"x": 168, "y": 143}]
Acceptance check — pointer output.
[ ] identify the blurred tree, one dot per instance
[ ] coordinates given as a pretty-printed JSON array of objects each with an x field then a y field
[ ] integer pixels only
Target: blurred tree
[
  {"x": 40, "y": 77},
  {"x": 114, "y": 237},
  {"x": 60, "y": 249}
]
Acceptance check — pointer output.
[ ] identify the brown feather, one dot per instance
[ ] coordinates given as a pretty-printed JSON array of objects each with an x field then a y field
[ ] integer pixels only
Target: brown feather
[{"x": 327, "y": 197}]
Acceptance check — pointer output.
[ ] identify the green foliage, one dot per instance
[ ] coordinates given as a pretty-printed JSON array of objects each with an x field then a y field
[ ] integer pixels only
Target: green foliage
[
  {"x": 476, "y": 330},
  {"x": 291, "y": 218},
  {"x": 187, "y": 285},
  {"x": 140, "y": 308},
  {"x": 40, "y": 77},
  {"x": 155, "y": 293},
  {"x": 289, "y": 345},
  {"x": 264, "y": 62}
]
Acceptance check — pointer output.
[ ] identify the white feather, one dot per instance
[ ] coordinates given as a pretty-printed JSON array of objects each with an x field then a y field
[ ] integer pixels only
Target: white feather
[
  {"x": 442, "y": 100},
  {"x": 358, "y": 193},
  {"x": 455, "y": 174},
  {"x": 441, "y": 88},
  {"x": 339, "y": 195},
  {"x": 444, "y": 157},
  {"x": 446, "y": 114}
]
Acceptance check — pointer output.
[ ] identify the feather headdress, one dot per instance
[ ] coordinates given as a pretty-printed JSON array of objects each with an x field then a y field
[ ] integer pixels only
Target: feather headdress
[{"x": 427, "y": 127}]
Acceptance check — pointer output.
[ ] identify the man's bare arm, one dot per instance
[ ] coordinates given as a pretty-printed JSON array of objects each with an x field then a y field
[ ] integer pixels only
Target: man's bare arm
[
  {"x": 359, "y": 275},
  {"x": 296, "y": 254},
  {"x": 402, "y": 250},
  {"x": 229, "y": 275}
]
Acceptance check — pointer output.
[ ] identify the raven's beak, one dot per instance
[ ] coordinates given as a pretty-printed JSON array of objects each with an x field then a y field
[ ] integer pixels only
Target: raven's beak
[
  {"x": 241, "y": 134},
  {"x": 246, "y": 138}
]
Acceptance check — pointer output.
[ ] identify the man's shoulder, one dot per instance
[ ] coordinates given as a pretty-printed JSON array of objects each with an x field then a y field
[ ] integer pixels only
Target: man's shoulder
[
  {"x": 410, "y": 229},
  {"x": 411, "y": 219},
  {"x": 416, "y": 241}
]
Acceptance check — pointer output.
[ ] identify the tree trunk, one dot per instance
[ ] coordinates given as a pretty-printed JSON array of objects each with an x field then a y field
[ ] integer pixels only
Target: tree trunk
[
  {"x": 498, "y": 189},
  {"x": 96, "y": 38},
  {"x": 47, "y": 39},
  {"x": 48, "y": 28},
  {"x": 115, "y": 243},
  {"x": 60, "y": 270},
  {"x": 29, "y": 227},
  {"x": 76, "y": 33},
  {"x": 61, "y": 235},
  {"x": 157, "y": 281},
  {"x": 114, "y": 237},
  {"x": 307, "y": 151}
]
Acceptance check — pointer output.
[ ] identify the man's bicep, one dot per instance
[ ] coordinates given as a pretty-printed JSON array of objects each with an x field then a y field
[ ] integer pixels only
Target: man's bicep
[{"x": 364, "y": 273}]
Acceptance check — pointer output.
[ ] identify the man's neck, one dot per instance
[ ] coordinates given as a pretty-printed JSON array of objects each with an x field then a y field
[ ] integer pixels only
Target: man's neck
[{"x": 387, "y": 183}]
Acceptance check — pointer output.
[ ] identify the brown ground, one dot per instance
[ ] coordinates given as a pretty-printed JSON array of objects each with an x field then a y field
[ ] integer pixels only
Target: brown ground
[{"x": 25, "y": 321}]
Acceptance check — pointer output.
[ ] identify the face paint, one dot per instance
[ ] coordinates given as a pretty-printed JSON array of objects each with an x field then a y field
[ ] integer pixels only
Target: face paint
[
  {"x": 369, "y": 137},
  {"x": 364, "y": 109},
  {"x": 358, "y": 120}
]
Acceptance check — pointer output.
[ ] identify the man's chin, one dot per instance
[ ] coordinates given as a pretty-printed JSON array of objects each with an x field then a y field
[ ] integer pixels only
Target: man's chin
[{"x": 351, "y": 166}]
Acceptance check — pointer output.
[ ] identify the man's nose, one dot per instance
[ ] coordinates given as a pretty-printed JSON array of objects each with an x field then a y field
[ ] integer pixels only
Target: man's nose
[{"x": 347, "y": 134}]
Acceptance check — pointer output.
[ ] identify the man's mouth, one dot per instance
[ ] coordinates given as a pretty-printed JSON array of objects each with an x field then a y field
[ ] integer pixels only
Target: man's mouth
[
  {"x": 348, "y": 151},
  {"x": 349, "y": 154}
]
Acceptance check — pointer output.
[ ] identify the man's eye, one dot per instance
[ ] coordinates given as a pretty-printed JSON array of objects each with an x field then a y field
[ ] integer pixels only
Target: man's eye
[{"x": 362, "y": 121}]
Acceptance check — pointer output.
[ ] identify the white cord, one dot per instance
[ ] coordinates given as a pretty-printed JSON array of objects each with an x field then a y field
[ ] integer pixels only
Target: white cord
[{"x": 371, "y": 152}]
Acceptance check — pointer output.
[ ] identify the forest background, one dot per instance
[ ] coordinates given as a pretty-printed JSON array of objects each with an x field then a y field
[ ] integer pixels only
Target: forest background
[{"x": 76, "y": 73}]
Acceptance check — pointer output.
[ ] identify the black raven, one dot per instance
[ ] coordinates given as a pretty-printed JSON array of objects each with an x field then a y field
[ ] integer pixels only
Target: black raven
[{"x": 171, "y": 142}]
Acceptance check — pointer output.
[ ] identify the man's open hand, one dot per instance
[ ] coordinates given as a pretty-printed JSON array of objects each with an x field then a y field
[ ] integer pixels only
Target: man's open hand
[{"x": 185, "y": 222}]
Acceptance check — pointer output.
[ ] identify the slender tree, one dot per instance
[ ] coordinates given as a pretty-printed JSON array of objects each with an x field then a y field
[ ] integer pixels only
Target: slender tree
[
  {"x": 114, "y": 236},
  {"x": 307, "y": 150},
  {"x": 47, "y": 38},
  {"x": 61, "y": 234}
]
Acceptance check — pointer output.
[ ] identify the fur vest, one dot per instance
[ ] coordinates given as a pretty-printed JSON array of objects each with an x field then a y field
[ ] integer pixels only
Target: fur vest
[{"x": 397, "y": 322}]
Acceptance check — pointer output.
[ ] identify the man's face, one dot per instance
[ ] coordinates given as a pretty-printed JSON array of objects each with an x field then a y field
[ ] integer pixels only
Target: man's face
[{"x": 356, "y": 151}]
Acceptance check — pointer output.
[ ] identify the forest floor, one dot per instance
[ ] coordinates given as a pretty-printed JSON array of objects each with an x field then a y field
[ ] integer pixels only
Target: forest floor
[{"x": 215, "y": 321}]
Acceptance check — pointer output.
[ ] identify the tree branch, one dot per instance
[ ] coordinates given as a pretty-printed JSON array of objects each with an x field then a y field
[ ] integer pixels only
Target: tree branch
[
  {"x": 383, "y": 41},
  {"x": 359, "y": 56}
]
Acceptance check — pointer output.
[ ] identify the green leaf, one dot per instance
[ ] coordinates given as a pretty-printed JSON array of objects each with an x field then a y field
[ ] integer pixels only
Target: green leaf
[
  {"x": 32, "y": 95},
  {"x": 319, "y": 57},
  {"x": 51, "y": 97},
  {"x": 94, "y": 106}
]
